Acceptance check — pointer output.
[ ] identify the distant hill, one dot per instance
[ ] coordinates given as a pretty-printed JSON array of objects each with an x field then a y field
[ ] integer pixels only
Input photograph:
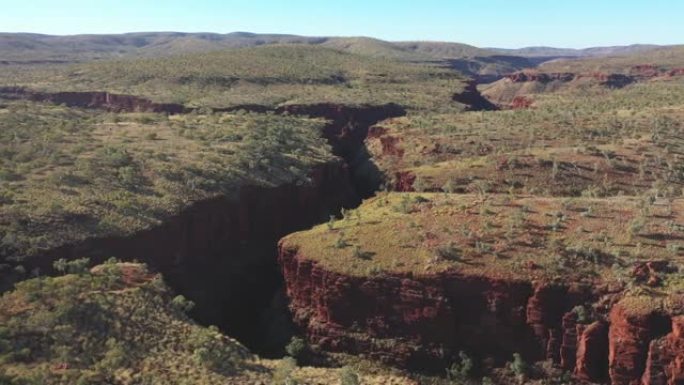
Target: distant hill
[
  {"x": 23, "y": 47},
  {"x": 483, "y": 64},
  {"x": 35, "y": 49},
  {"x": 570, "y": 52},
  {"x": 662, "y": 58}
]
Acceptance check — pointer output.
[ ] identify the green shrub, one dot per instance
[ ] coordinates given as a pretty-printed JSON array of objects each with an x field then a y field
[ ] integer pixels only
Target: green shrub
[
  {"x": 77, "y": 266},
  {"x": 581, "y": 313},
  {"x": 349, "y": 377},
  {"x": 449, "y": 252},
  {"x": 183, "y": 304},
  {"x": 297, "y": 348},
  {"x": 115, "y": 356},
  {"x": 211, "y": 350},
  {"x": 462, "y": 370},
  {"x": 519, "y": 367}
]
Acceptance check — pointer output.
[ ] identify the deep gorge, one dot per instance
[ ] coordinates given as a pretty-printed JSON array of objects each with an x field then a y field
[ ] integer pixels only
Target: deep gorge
[{"x": 222, "y": 253}]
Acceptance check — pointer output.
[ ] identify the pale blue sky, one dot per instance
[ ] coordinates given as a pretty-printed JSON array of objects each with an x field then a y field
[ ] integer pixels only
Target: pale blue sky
[{"x": 500, "y": 23}]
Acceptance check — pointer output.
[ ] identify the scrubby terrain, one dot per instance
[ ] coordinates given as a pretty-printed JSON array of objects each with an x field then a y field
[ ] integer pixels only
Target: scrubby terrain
[{"x": 350, "y": 210}]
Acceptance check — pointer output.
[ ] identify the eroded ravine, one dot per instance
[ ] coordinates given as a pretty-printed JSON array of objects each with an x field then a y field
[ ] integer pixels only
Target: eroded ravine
[{"x": 222, "y": 253}]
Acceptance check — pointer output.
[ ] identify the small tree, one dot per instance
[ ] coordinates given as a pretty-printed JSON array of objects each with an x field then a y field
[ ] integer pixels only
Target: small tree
[
  {"x": 581, "y": 313},
  {"x": 341, "y": 243},
  {"x": 60, "y": 265},
  {"x": 461, "y": 371},
  {"x": 78, "y": 266},
  {"x": 183, "y": 304},
  {"x": 519, "y": 366},
  {"x": 297, "y": 348}
]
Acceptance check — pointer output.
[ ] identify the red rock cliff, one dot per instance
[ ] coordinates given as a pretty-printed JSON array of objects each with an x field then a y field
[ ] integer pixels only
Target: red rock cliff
[{"x": 422, "y": 322}]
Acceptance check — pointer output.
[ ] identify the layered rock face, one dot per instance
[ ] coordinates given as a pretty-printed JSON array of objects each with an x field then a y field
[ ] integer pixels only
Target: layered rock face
[
  {"x": 646, "y": 348},
  {"x": 615, "y": 80},
  {"x": 608, "y": 80},
  {"x": 422, "y": 322},
  {"x": 413, "y": 322}
]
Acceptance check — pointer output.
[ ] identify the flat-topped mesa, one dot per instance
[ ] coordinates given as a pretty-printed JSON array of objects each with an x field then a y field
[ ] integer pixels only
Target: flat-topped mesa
[{"x": 414, "y": 279}]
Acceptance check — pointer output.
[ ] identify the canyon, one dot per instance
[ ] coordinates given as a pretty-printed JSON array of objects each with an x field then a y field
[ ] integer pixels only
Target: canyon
[{"x": 223, "y": 255}]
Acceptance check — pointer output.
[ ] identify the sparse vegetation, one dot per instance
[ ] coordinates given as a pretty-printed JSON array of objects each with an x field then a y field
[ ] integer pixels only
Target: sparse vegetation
[
  {"x": 92, "y": 177},
  {"x": 585, "y": 187}
]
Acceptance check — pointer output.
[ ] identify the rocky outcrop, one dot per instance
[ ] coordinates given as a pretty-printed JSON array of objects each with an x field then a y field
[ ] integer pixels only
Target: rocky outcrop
[
  {"x": 645, "y": 348},
  {"x": 608, "y": 80},
  {"x": 473, "y": 100},
  {"x": 521, "y": 103},
  {"x": 416, "y": 322},
  {"x": 676, "y": 72},
  {"x": 528, "y": 76},
  {"x": 349, "y": 125},
  {"x": 592, "y": 352},
  {"x": 568, "y": 349},
  {"x": 665, "y": 359},
  {"x": 423, "y": 321},
  {"x": 517, "y": 90},
  {"x": 403, "y": 181},
  {"x": 545, "y": 311}
]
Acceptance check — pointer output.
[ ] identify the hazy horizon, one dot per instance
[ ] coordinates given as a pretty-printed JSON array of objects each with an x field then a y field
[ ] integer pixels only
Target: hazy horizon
[
  {"x": 335, "y": 36},
  {"x": 497, "y": 23}
]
